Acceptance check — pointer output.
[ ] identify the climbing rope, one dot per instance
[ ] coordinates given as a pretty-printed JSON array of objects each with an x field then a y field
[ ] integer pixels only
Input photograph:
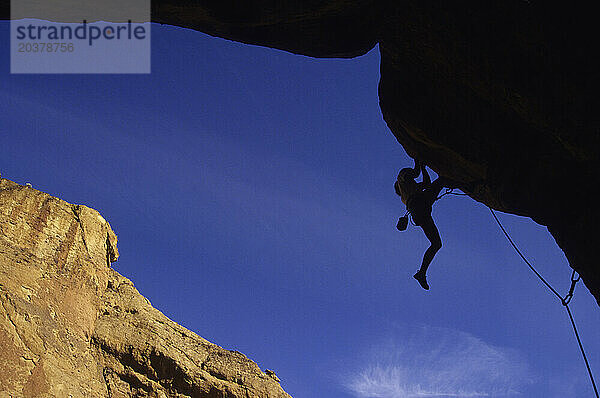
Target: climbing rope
[
  {"x": 564, "y": 300},
  {"x": 450, "y": 191},
  {"x": 524, "y": 259}
]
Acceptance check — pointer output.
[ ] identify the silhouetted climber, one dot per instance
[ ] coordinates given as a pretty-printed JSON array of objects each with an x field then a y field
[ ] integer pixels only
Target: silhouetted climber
[{"x": 419, "y": 198}]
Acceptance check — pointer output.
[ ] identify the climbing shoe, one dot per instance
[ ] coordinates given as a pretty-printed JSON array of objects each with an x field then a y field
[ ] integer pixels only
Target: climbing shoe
[{"x": 422, "y": 279}]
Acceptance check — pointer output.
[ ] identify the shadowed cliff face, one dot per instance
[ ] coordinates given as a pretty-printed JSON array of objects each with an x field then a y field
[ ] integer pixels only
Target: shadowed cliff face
[
  {"x": 70, "y": 326},
  {"x": 501, "y": 98}
]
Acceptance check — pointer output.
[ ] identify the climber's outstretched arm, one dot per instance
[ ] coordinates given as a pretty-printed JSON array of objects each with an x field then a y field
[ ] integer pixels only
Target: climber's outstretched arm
[{"x": 417, "y": 169}]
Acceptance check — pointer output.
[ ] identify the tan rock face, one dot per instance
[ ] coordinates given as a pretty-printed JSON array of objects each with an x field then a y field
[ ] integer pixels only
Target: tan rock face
[{"x": 70, "y": 326}]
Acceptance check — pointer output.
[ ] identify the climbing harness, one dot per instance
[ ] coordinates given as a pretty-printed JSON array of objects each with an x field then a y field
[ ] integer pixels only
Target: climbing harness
[
  {"x": 564, "y": 300},
  {"x": 403, "y": 221}
]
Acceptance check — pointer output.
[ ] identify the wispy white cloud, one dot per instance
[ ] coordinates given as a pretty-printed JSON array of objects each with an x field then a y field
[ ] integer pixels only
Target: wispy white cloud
[{"x": 438, "y": 362}]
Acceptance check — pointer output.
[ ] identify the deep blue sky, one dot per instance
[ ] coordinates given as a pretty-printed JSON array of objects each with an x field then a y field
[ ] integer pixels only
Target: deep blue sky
[{"x": 251, "y": 190}]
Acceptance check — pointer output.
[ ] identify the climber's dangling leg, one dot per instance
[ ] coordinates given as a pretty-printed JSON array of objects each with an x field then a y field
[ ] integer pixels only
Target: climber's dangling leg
[{"x": 431, "y": 232}]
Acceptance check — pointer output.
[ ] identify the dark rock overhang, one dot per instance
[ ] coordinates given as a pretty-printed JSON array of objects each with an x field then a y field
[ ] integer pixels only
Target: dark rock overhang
[{"x": 500, "y": 97}]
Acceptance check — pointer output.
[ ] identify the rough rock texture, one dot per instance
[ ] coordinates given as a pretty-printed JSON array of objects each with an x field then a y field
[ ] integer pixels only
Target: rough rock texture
[
  {"x": 499, "y": 96},
  {"x": 70, "y": 326}
]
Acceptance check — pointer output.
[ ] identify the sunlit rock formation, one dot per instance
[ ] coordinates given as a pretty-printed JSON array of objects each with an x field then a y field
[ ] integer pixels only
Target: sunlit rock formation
[{"x": 70, "y": 326}]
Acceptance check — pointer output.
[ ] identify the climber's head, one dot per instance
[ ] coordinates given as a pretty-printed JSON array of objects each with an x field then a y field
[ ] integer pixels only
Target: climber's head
[{"x": 407, "y": 174}]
